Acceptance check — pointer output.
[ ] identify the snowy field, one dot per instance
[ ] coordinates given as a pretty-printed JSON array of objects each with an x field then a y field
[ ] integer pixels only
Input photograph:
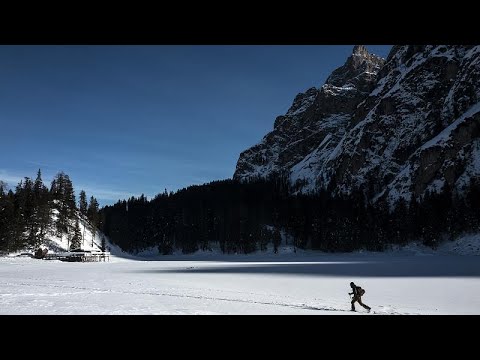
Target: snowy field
[{"x": 400, "y": 282}]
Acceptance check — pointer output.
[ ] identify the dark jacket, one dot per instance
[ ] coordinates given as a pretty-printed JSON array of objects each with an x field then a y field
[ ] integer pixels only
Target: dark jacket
[{"x": 355, "y": 290}]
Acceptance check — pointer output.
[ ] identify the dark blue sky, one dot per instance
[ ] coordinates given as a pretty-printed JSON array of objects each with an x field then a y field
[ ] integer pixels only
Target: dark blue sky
[{"x": 126, "y": 120}]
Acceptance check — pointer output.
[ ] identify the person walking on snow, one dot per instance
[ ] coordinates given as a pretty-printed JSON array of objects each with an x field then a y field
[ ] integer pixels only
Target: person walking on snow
[{"x": 357, "y": 293}]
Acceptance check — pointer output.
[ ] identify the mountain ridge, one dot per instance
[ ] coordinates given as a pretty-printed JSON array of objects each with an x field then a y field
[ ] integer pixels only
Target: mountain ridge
[{"x": 389, "y": 128}]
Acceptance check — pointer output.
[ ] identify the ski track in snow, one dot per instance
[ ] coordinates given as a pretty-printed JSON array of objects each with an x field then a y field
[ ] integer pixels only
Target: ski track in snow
[{"x": 200, "y": 297}]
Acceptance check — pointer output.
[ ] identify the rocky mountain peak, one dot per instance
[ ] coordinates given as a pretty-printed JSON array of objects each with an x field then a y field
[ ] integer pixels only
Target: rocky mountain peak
[
  {"x": 315, "y": 115},
  {"x": 360, "y": 50},
  {"x": 358, "y": 71}
]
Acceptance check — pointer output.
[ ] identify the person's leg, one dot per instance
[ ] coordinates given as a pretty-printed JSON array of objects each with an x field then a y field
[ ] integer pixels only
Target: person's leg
[
  {"x": 353, "y": 303},
  {"x": 361, "y": 303}
]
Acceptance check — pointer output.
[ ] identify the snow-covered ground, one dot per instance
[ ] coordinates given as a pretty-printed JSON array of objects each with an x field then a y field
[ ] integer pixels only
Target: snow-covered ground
[{"x": 406, "y": 281}]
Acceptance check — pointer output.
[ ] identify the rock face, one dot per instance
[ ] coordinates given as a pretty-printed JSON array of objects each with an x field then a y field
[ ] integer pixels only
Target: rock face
[
  {"x": 315, "y": 122},
  {"x": 389, "y": 129}
]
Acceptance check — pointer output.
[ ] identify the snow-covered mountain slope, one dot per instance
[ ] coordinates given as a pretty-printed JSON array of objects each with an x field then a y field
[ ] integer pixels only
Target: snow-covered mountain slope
[
  {"x": 421, "y": 125},
  {"x": 392, "y": 129}
]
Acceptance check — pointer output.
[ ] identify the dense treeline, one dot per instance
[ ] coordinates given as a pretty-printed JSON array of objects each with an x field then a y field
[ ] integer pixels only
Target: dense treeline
[
  {"x": 239, "y": 218},
  {"x": 244, "y": 217},
  {"x": 30, "y": 212}
]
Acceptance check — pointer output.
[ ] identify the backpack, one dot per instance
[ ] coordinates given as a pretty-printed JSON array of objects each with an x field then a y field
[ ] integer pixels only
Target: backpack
[{"x": 360, "y": 291}]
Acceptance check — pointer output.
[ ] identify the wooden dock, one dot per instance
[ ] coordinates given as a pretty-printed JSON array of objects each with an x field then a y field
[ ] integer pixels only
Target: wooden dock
[{"x": 79, "y": 256}]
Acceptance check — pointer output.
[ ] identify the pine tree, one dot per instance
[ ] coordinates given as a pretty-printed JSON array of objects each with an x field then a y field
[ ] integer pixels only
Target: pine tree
[
  {"x": 103, "y": 243},
  {"x": 29, "y": 211},
  {"x": 63, "y": 196},
  {"x": 82, "y": 204},
  {"x": 24, "y": 233},
  {"x": 42, "y": 207},
  {"x": 57, "y": 191},
  {"x": 93, "y": 216},
  {"x": 400, "y": 225},
  {"x": 473, "y": 205},
  {"x": 6, "y": 218},
  {"x": 76, "y": 241},
  {"x": 277, "y": 239},
  {"x": 69, "y": 198}
]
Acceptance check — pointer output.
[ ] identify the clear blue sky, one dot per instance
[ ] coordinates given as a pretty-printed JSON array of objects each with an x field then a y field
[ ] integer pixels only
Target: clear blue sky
[{"x": 127, "y": 120}]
